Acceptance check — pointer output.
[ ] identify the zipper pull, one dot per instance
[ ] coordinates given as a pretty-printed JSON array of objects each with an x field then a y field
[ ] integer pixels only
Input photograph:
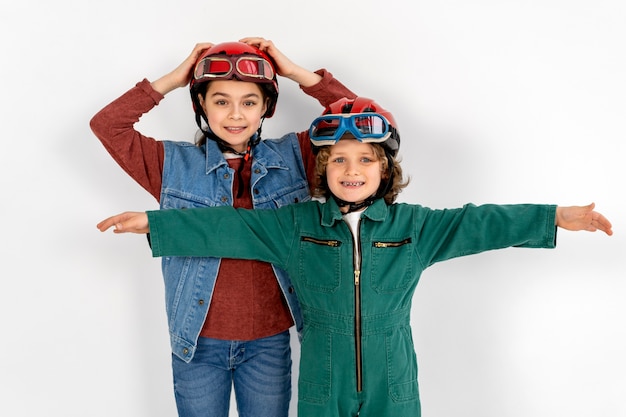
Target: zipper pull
[{"x": 357, "y": 277}]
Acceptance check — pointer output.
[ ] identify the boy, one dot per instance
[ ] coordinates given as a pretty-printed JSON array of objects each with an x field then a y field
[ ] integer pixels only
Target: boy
[{"x": 356, "y": 258}]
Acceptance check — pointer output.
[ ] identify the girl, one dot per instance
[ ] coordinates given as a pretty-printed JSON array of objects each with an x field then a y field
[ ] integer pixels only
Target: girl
[{"x": 228, "y": 319}]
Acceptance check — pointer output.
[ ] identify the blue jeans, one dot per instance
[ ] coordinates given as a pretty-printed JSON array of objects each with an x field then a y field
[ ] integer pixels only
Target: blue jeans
[{"x": 259, "y": 370}]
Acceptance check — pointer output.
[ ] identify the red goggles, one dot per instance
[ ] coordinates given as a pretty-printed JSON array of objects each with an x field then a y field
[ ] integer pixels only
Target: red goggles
[{"x": 244, "y": 68}]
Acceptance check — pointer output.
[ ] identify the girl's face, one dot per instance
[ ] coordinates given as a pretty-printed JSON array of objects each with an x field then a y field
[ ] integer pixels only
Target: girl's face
[
  {"x": 353, "y": 171},
  {"x": 234, "y": 110}
]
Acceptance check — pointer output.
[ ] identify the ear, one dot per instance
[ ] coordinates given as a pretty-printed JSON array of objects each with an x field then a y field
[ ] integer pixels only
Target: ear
[
  {"x": 201, "y": 100},
  {"x": 265, "y": 106}
]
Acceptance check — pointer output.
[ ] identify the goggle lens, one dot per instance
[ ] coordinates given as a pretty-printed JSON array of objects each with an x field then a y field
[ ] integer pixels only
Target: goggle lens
[
  {"x": 255, "y": 67},
  {"x": 369, "y": 125},
  {"x": 365, "y": 127},
  {"x": 227, "y": 67}
]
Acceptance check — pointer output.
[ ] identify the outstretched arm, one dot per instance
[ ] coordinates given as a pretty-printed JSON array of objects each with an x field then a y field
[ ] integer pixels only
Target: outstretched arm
[
  {"x": 574, "y": 218},
  {"x": 577, "y": 218}
]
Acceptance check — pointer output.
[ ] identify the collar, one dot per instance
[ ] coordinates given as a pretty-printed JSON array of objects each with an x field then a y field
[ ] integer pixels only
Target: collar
[
  {"x": 331, "y": 214},
  {"x": 262, "y": 155}
]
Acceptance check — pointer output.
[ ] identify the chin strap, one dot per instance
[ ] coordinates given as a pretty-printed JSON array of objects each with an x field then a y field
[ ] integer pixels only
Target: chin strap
[{"x": 354, "y": 206}]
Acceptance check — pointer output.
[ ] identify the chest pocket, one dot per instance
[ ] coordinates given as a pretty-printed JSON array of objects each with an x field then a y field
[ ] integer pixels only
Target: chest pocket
[
  {"x": 320, "y": 264},
  {"x": 286, "y": 196},
  {"x": 173, "y": 199},
  {"x": 392, "y": 267}
]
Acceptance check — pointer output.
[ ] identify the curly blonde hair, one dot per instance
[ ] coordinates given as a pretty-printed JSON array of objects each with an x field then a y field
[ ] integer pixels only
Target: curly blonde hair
[{"x": 321, "y": 189}]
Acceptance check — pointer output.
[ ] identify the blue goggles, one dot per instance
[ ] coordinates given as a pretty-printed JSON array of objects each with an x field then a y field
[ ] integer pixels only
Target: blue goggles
[{"x": 365, "y": 127}]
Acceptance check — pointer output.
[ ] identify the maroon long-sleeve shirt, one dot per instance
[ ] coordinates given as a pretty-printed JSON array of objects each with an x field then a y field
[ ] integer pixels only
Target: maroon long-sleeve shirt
[{"x": 247, "y": 302}]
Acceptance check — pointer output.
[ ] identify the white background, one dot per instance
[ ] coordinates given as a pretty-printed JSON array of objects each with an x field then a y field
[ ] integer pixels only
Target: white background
[{"x": 498, "y": 101}]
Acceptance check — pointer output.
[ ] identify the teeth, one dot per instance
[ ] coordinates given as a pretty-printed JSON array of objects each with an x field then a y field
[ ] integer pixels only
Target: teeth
[{"x": 352, "y": 184}]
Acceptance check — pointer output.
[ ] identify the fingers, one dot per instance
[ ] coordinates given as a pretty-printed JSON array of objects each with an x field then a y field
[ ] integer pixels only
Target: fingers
[
  {"x": 181, "y": 75},
  {"x": 253, "y": 40},
  {"x": 105, "y": 224},
  {"x": 261, "y": 43},
  {"x": 583, "y": 218},
  {"x": 187, "y": 65},
  {"x": 202, "y": 46},
  {"x": 129, "y": 221},
  {"x": 198, "y": 49},
  {"x": 599, "y": 222}
]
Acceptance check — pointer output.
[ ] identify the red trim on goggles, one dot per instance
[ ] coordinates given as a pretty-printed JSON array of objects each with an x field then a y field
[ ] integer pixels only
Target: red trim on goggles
[
  {"x": 365, "y": 127},
  {"x": 244, "y": 68}
]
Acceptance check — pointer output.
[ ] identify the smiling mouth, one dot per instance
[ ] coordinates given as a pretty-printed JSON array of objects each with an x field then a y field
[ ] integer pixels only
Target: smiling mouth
[{"x": 352, "y": 183}]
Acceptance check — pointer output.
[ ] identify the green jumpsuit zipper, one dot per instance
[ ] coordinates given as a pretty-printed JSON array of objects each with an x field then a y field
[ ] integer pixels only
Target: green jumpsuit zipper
[{"x": 357, "y": 308}]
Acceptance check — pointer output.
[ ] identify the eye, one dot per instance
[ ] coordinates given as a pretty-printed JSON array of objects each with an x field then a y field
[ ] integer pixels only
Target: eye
[
  {"x": 220, "y": 102},
  {"x": 338, "y": 160},
  {"x": 250, "y": 103}
]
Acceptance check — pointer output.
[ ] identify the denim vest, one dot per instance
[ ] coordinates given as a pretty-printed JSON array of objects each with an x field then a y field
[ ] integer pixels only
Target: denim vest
[{"x": 200, "y": 177}]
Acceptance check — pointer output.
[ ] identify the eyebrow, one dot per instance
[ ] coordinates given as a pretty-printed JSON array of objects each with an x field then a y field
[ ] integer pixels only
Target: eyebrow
[
  {"x": 219, "y": 93},
  {"x": 371, "y": 155}
]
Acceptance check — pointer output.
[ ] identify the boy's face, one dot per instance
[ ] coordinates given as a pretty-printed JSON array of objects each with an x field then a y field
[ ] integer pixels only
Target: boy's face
[
  {"x": 234, "y": 110},
  {"x": 353, "y": 170}
]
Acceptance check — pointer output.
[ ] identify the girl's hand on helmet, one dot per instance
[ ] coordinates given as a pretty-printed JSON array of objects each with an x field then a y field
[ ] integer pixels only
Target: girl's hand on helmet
[
  {"x": 284, "y": 66},
  {"x": 180, "y": 76}
]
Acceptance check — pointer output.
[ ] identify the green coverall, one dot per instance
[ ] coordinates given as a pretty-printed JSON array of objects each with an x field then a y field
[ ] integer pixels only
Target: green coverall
[{"x": 357, "y": 353}]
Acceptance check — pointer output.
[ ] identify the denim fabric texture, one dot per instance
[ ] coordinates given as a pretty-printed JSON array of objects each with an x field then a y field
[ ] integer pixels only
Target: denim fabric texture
[
  {"x": 258, "y": 370},
  {"x": 200, "y": 177}
]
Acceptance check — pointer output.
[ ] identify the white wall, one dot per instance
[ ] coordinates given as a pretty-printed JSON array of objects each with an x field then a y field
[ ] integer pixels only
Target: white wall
[{"x": 497, "y": 101}]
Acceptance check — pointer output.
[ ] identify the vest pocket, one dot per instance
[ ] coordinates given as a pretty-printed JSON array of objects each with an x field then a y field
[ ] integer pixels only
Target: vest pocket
[
  {"x": 296, "y": 195},
  {"x": 173, "y": 199}
]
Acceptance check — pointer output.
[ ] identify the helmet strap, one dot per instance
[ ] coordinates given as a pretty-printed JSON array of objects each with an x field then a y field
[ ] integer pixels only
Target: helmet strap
[{"x": 353, "y": 206}]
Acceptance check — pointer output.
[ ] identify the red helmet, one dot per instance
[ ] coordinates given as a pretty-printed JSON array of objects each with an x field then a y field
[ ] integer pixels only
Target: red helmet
[
  {"x": 361, "y": 116},
  {"x": 234, "y": 61}
]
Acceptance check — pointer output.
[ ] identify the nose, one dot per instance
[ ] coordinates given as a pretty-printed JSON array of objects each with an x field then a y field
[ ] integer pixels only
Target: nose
[
  {"x": 235, "y": 113},
  {"x": 352, "y": 168}
]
